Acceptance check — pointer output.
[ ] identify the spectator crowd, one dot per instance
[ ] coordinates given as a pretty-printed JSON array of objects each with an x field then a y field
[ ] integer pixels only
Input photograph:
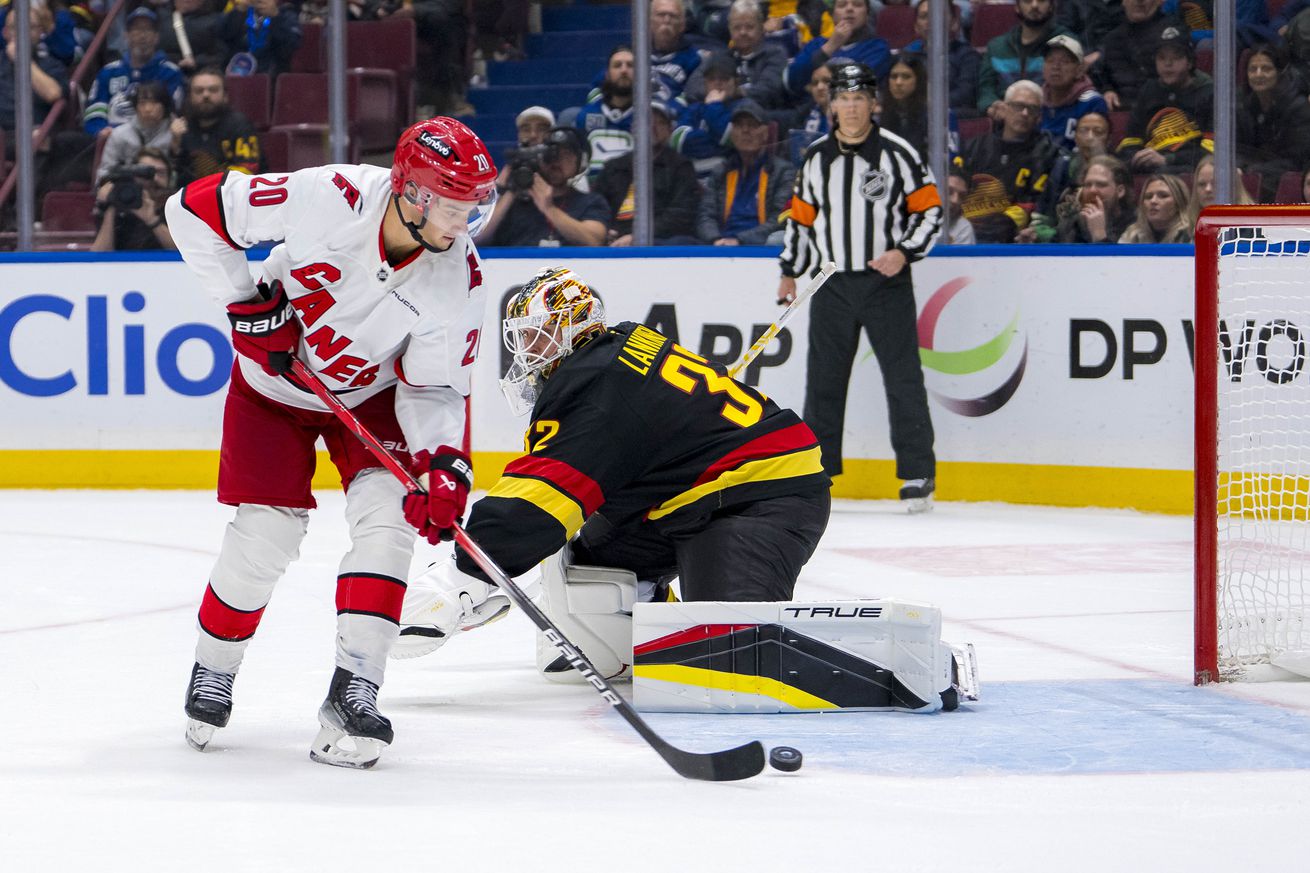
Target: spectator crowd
[
  {"x": 1070, "y": 120},
  {"x": 155, "y": 111}
]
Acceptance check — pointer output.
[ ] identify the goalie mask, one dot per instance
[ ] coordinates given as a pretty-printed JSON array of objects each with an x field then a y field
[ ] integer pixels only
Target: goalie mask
[{"x": 547, "y": 320}]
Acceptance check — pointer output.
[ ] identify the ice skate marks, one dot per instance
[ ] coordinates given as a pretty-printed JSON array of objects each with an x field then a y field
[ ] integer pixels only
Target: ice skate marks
[{"x": 1035, "y": 728}]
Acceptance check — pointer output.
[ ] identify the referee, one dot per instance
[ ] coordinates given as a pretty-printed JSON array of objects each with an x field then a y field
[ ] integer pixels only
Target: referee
[{"x": 864, "y": 199}]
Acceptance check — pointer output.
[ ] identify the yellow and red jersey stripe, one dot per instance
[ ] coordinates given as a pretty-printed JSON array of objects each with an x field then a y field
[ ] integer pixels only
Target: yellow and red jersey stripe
[
  {"x": 557, "y": 488},
  {"x": 788, "y": 453}
]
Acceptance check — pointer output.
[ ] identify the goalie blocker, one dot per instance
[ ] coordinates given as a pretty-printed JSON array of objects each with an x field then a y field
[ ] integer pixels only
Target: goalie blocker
[{"x": 753, "y": 657}]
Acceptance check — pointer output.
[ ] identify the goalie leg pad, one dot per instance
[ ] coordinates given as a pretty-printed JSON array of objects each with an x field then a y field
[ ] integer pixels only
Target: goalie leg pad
[
  {"x": 788, "y": 657},
  {"x": 592, "y": 606}
]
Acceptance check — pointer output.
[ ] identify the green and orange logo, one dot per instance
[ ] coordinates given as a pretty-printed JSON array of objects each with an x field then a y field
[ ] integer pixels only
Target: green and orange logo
[{"x": 969, "y": 361}]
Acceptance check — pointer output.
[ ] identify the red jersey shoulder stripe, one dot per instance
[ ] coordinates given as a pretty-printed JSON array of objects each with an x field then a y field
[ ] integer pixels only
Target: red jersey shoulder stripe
[
  {"x": 565, "y": 477},
  {"x": 203, "y": 199}
]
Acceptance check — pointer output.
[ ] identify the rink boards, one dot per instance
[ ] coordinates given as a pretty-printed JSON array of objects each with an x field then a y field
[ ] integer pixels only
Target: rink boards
[{"x": 1063, "y": 379}]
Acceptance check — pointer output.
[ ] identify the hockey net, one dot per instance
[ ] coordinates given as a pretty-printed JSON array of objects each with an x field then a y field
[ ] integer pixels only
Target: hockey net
[{"x": 1252, "y": 442}]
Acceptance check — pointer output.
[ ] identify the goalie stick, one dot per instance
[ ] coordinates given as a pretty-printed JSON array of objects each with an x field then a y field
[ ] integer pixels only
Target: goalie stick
[
  {"x": 741, "y": 762},
  {"x": 774, "y": 329}
]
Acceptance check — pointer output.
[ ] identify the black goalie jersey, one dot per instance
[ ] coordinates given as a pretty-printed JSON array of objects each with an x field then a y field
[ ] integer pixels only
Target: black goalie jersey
[{"x": 637, "y": 427}]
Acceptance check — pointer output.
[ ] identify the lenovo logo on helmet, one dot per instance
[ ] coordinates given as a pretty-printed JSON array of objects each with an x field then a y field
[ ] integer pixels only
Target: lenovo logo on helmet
[{"x": 436, "y": 144}]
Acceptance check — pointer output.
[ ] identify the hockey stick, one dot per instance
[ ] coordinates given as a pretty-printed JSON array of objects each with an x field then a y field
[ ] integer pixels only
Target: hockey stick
[
  {"x": 774, "y": 329},
  {"x": 741, "y": 762}
]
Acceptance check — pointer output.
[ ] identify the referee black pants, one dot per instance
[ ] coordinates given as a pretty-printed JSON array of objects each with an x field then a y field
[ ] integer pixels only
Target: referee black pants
[{"x": 885, "y": 308}]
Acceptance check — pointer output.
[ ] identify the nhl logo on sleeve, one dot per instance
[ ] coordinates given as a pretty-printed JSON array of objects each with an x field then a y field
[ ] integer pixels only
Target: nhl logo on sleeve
[
  {"x": 873, "y": 184},
  {"x": 436, "y": 144}
]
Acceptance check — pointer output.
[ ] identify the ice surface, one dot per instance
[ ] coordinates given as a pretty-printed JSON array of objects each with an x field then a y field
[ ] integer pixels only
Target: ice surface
[{"x": 1090, "y": 750}]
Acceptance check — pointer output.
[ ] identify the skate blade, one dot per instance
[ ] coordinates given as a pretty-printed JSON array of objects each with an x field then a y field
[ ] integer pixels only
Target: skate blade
[
  {"x": 198, "y": 734},
  {"x": 335, "y": 747},
  {"x": 967, "y": 663},
  {"x": 918, "y": 505}
]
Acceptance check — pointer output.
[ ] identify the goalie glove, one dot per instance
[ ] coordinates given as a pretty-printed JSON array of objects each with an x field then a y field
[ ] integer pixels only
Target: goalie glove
[
  {"x": 265, "y": 328},
  {"x": 448, "y": 477},
  {"x": 441, "y": 603}
]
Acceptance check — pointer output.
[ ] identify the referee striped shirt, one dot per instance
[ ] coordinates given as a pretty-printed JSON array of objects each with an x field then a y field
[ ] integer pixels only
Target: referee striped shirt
[{"x": 852, "y": 204}]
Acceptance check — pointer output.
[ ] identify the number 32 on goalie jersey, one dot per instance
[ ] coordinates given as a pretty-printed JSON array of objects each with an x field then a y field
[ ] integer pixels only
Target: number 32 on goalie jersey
[
  {"x": 540, "y": 434},
  {"x": 684, "y": 370}
]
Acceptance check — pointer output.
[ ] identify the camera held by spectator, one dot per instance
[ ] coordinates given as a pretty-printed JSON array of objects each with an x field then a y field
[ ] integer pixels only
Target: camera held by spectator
[
  {"x": 130, "y": 204},
  {"x": 546, "y": 209},
  {"x": 523, "y": 165},
  {"x": 125, "y": 191}
]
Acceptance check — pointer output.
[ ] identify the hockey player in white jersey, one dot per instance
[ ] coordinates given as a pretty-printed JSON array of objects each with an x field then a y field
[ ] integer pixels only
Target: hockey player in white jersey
[{"x": 376, "y": 286}]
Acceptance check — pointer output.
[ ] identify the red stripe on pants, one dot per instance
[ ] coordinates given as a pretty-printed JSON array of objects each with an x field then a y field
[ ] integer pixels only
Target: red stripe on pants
[
  {"x": 225, "y": 622},
  {"x": 371, "y": 595}
]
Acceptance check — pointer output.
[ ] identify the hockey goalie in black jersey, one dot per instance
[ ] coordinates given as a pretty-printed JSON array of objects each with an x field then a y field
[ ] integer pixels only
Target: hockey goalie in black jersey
[{"x": 647, "y": 461}]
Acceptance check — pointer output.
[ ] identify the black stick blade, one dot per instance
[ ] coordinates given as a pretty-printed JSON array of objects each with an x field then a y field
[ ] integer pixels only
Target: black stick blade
[{"x": 729, "y": 765}]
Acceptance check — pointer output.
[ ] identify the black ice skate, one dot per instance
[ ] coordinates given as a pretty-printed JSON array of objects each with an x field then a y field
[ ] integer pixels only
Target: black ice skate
[
  {"x": 353, "y": 732},
  {"x": 916, "y": 494},
  {"x": 208, "y": 704}
]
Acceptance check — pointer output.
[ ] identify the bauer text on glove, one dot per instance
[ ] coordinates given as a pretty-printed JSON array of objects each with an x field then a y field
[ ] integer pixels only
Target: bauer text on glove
[{"x": 265, "y": 328}]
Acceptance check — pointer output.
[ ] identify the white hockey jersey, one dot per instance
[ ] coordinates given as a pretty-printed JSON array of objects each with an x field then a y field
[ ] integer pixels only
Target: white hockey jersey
[{"x": 366, "y": 324}]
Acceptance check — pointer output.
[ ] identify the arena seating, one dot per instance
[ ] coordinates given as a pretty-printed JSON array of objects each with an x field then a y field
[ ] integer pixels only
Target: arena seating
[
  {"x": 311, "y": 57},
  {"x": 302, "y": 98},
  {"x": 390, "y": 44},
  {"x": 971, "y": 128},
  {"x": 896, "y": 25},
  {"x": 252, "y": 96},
  {"x": 563, "y": 62},
  {"x": 297, "y": 146},
  {"x": 1118, "y": 125},
  {"x": 69, "y": 212},
  {"x": 991, "y": 20},
  {"x": 1289, "y": 188}
]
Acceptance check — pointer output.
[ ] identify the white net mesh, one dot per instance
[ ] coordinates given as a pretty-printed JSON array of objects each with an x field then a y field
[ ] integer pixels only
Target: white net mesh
[{"x": 1264, "y": 446}]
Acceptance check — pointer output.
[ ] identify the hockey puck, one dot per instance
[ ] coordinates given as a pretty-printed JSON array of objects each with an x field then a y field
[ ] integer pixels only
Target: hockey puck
[{"x": 785, "y": 758}]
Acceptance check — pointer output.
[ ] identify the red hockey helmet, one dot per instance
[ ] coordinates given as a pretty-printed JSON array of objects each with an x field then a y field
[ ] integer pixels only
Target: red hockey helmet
[{"x": 441, "y": 157}]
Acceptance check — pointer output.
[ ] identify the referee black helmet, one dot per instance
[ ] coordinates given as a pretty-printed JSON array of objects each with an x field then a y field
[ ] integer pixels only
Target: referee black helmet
[{"x": 852, "y": 76}]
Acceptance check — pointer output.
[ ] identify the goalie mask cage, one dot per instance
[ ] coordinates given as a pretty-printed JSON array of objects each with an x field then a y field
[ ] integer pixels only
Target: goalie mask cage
[{"x": 1252, "y": 449}]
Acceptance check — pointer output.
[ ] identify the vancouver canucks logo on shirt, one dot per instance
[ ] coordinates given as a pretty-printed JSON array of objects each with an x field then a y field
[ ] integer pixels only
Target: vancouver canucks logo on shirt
[{"x": 873, "y": 184}]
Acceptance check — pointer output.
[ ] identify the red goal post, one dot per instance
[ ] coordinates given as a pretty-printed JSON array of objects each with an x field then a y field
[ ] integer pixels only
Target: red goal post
[{"x": 1252, "y": 509}]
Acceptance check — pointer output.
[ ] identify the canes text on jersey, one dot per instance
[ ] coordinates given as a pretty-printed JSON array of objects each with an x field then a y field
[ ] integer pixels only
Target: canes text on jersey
[{"x": 325, "y": 342}]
